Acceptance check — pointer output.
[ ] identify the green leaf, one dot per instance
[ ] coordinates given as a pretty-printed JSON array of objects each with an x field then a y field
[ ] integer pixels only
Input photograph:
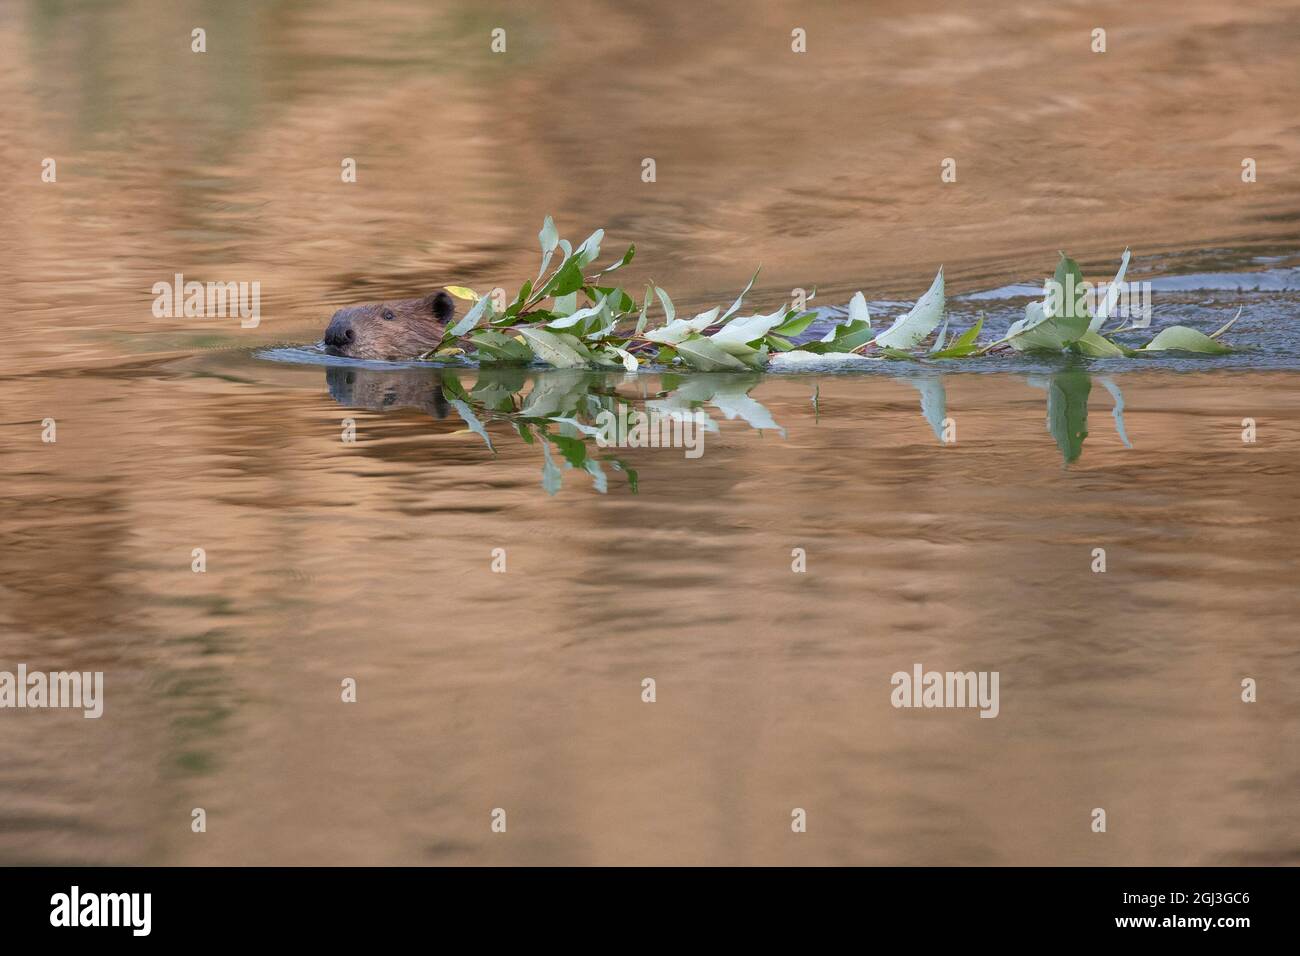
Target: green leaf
[
  {"x": 627, "y": 257},
  {"x": 897, "y": 354},
  {"x": 645, "y": 310},
  {"x": 1067, "y": 302},
  {"x": 847, "y": 337},
  {"x": 1058, "y": 321},
  {"x": 934, "y": 401},
  {"x": 471, "y": 420},
  {"x": 1106, "y": 307},
  {"x": 568, "y": 278},
  {"x": 620, "y": 302},
  {"x": 440, "y": 354},
  {"x": 497, "y": 386},
  {"x": 801, "y": 358},
  {"x": 552, "y": 477},
  {"x": 552, "y": 349},
  {"x": 964, "y": 344},
  {"x": 598, "y": 480},
  {"x": 1037, "y": 332},
  {"x": 471, "y": 318},
  {"x": 453, "y": 389},
  {"x": 1096, "y": 345},
  {"x": 797, "y": 325},
  {"x": 858, "y": 314},
  {"x": 629, "y": 360},
  {"x": 937, "y": 345},
  {"x": 669, "y": 311},
  {"x": 549, "y": 237},
  {"x": 568, "y": 321},
  {"x": 602, "y": 325},
  {"x": 565, "y": 304},
  {"x": 494, "y": 394},
  {"x": 707, "y": 356},
  {"x": 732, "y": 398},
  {"x": 750, "y": 328},
  {"x": 494, "y": 346},
  {"x": 604, "y": 358},
  {"x": 1067, "y": 412},
  {"x": 735, "y": 306},
  {"x": 618, "y": 465},
  {"x": 678, "y": 329},
  {"x": 561, "y": 392},
  {"x": 546, "y": 262},
  {"x": 908, "y": 330},
  {"x": 525, "y": 291},
  {"x": 753, "y": 357},
  {"x": 574, "y": 450},
  {"x": 1179, "y": 338},
  {"x": 1117, "y": 412},
  {"x": 575, "y": 343},
  {"x": 589, "y": 251}
]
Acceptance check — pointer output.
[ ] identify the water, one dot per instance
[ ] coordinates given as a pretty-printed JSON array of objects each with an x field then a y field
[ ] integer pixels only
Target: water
[{"x": 371, "y": 560}]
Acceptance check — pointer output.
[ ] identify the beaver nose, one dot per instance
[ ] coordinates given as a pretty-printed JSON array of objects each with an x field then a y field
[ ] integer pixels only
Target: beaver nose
[{"x": 339, "y": 334}]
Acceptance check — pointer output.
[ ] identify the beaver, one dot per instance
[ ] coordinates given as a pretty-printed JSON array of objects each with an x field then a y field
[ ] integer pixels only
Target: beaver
[{"x": 400, "y": 329}]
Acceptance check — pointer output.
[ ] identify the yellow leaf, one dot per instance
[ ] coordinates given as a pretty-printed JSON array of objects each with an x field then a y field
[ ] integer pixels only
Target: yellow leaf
[{"x": 460, "y": 292}]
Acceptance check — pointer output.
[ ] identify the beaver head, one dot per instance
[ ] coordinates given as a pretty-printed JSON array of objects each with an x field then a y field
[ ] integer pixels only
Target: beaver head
[{"x": 401, "y": 329}]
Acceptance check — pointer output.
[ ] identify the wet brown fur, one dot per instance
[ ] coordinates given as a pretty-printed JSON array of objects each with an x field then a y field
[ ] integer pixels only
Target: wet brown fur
[{"x": 398, "y": 329}]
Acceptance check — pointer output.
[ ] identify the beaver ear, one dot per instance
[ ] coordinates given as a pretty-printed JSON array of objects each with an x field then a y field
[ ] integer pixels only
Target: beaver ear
[{"x": 442, "y": 305}]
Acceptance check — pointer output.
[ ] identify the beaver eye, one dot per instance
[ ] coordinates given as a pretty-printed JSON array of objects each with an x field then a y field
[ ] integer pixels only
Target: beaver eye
[{"x": 388, "y": 315}]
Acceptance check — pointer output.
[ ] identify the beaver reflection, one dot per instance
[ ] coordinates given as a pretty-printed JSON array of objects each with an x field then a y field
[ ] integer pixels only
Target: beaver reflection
[{"x": 386, "y": 389}]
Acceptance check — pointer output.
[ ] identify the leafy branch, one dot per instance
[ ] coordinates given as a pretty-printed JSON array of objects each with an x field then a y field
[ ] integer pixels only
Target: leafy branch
[{"x": 568, "y": 317}]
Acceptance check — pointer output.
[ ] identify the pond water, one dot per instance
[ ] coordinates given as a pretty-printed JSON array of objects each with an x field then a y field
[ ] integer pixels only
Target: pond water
[{"x": 350, "y": 514}]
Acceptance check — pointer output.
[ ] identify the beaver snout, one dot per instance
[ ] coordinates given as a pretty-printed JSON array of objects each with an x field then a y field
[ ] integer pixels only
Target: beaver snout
[{"x": 340, "y": 333}]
